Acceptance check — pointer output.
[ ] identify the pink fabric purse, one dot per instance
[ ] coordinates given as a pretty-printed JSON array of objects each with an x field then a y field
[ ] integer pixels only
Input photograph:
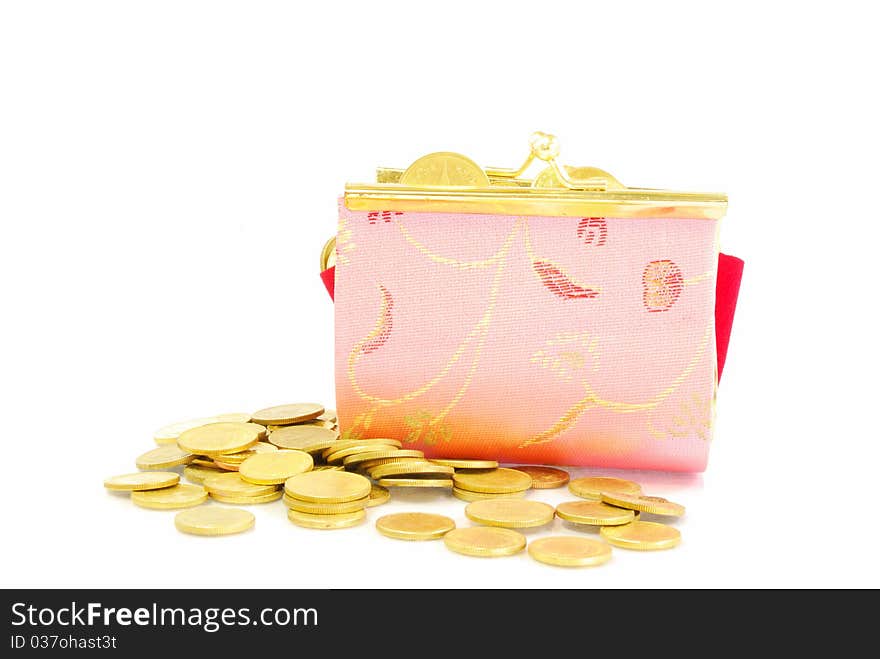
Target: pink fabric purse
[{"x": 564, "y": 320}]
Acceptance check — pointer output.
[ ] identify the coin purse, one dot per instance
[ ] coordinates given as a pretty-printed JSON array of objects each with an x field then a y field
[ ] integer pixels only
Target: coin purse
[{"x": 559, "y": 319}]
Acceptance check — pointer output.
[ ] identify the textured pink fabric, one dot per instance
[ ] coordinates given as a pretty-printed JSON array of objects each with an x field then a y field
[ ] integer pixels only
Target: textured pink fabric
[{"x": 580, "y": 341}]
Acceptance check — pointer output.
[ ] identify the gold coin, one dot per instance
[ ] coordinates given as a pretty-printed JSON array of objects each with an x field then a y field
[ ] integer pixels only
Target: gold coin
[
  {"x": 163, "y": 457},
  {"x": 444, "y": 168},
  {"x": 510, "y": 513},
  {"x": 466, "y": 495},
  {"x": 381, "y": 443},
  {"x": 328, "y": 468},
  {"x": 415, "y": 482},
  {"x": 282, "y": 415},
  {"x": 330, "y": 425},
  {"x": 593, "y": 487},
  {"x": 213, "y": 520},
  {"x": 275, "y": 468},
  {"x": 328, "y": 415},
  {"x": 183, "y": 495},
  {"x": 547, "y": 178},
  {"x": 544, "y": 478},
  {"x": 409, "y": 468},
  {"x": 493, "y": 481},
  {"x": 232, "y": 463},
  {"x": 336, "y": 455},
  {"x": 378, "y": 496},
  {"x": 142, "y": 480},
  {"x": 414, "y": 526},
  {"x": 325, "y": 508},
  {"x": 218, "y": 438},
  {"x": 570, "y": 551},
  {"x": 198, "y": 474},
  {"x": 375, "y": 462},
  {"x": 390, "y": 452},
  {"x": 204, "y": 461},
  {"x": 328, "y": 254},
  {"x": 365, "y": 444},
  {"x": 327, "y": 486},
  {"x": 311, "y": 521},
  {"x": 310, "y": 439},
  {"x": 594, "y": 513},
  {"x": 314, "y": 422},
  {"x": 244, "y": 500},
  {"x": 486, "y": 541},
  {"x": 465, "y": 464},
  {"x": 231, "y": 484},
  {"x": 241, "y": 456},
  {"x": 645, "y": 504},
  {"x": 644, "y": 536},
  {"x": 236, "y": 461}
]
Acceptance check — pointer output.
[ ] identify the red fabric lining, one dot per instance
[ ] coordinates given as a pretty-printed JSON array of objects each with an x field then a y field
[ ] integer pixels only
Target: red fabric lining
[
  {"x": 730, "y": 271},
  {"x": 329, "y": 279}
]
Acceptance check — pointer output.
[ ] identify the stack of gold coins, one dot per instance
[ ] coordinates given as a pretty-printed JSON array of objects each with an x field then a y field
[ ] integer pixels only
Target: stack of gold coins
[
  {"x": 208, "y": 443},
  {"x": 381, "y": 455},
  {"x": 386, "y": 462},
  {"x": 460, "y": 464},
  {"x": 327, "y": 419},
  {"x": 280, "y": 416},
  {"x": 349, "y": 448},
  {"x": 327, "y": 499},
  {"x": 232, "y": 461},
  {"x": 473, "y": 485},
  {"x": 304, "y": 437},
  {"x": 232, "y": 488},
  {"x": 412, "y": 473}
]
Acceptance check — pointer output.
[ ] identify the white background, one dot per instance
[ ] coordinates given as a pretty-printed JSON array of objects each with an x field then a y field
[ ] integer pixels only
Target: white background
[{"x": 169, "y": 172}]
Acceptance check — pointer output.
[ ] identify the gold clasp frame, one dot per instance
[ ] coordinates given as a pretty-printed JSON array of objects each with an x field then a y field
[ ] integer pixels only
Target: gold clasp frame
[
  {"x": 447, "y": 182},
  {"x": 453, "y": 183}
]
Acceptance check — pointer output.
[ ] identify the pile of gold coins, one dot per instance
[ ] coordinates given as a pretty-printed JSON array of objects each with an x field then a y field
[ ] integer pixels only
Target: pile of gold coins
[{"x": 295, "y": 453}]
